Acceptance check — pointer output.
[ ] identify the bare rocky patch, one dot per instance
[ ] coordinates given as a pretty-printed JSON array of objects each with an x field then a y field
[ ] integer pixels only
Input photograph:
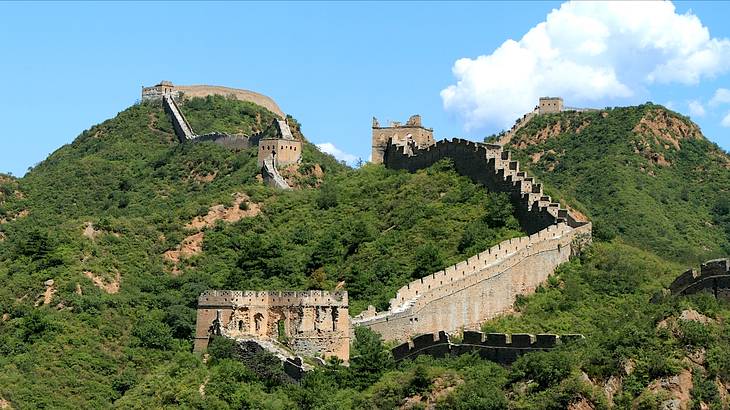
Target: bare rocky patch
[
  {"x": 193, "y": 244},
  {"x": 110, "y": 287},
  {"x": 48, "y": 294}
]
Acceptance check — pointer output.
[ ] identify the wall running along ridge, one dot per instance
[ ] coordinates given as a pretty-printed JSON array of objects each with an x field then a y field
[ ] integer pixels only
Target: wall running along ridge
[
  {"x": 497, "y": 347},
  {"x": 714, "y": 278},
  {"x": 485, "y": 285}
]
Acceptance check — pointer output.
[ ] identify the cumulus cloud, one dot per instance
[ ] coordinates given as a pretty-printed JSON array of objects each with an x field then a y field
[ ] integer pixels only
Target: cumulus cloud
[
  {"x": 585, "y": 52},
  {"x": 696, "y": 109},
  {"x": 726, "y": 121},
  {"x": 340, "y": 155},
  {"x": 721, "y": 96}
]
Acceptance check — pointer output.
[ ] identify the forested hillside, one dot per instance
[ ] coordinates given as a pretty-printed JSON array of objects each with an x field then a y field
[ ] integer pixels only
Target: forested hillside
[
  {"x": 105, "y": 246},
  {"x": 644, "y": 174}
]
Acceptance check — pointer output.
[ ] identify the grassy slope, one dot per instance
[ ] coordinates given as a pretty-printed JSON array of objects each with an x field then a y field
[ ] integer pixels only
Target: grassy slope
[{"x": 130, "y": 178}]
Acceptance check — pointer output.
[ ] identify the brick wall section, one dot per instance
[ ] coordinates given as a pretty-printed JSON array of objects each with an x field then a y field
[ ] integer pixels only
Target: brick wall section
[
  {"x": 498, "y": 347},
  {"x": 714, "y": 278},
  {"x": 487, "y": 284},
  {"x": 314, "y": 322}
]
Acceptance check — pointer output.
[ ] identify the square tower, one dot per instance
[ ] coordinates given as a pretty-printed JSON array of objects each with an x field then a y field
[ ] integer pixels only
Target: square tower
[
  {"x": 279, "y": 144},
  {"x": 549, "y": 105},
  {"x": 413, "y": 132}
]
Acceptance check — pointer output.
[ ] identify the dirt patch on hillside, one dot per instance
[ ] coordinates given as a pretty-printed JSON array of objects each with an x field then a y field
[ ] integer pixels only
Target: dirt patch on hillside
[
  {"x": 2, "y": 236},
  {"x": 678, "y": 387},
  {"x": 22, "y": 214},
  {"x": 659, "y": 130},
  {"x": 204, "y": 178},
  {"x": 48, "y": 294},
  {"x": 542, "y": 135},
  {"x": 110, "y": 288},
  {"x": 4, "y": 404},
  {"x": 442, "y": 387},
  {"x": 90, "y": 232},
  {"x": 297, "y": 175},
  {"x": 242, "y": 208},
  {"x": 193, "y": 244}
]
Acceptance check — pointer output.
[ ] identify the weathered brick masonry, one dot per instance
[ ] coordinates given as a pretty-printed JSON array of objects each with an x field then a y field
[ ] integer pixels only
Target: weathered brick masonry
[{"x": 309, "y": 322}]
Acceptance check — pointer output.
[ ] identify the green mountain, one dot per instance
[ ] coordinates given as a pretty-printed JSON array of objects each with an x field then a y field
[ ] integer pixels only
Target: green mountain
[
  {"x": 645, "y": 174},
  {"x": 105, "y": 246}
]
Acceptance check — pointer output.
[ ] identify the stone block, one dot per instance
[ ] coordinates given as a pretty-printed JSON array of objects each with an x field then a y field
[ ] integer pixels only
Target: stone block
[
  {"x": 473, "y": 337},
  {"x": 423, "y": 341},
  {"x": 545, "y": 340},
  {"x": 496, "y": 339},
  {"x": 522, "y": 340}
]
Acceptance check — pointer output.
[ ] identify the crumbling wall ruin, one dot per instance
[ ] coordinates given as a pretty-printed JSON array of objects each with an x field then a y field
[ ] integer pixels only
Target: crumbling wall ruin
[
  {"x": 310, "y": 323},
  {"x": 713, "y": 278}
]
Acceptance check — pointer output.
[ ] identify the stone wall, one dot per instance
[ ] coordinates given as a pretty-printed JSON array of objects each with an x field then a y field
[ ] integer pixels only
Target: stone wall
[
  {"x": 487, "y": 284},
  {"x": 234, "y": 142},
  {"x": 412, "y": 133},
  {"x": 493, "y": 168},
  {"x": 480, "y": 288},
  {"x": 311, "y": 323},
  {"x": 189, "y": 91},
  {"x": 498, "y": 347},
  {"x": 713, "y": 278},
  {"x": 183, "y": 130}
]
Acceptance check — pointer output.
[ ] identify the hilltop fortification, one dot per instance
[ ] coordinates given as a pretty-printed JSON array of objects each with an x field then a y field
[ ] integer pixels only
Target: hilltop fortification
[{"x": 163, "y": 88}]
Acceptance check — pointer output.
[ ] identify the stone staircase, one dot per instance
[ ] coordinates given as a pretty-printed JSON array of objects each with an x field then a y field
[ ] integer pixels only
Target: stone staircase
[
  {"x": 272, "y": 176},
  {"x": 183, "y": 130}
]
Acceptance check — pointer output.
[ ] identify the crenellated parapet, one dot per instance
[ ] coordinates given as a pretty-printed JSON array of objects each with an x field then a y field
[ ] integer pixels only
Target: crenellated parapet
[
  {"x": 487, "y": 284},
  {"x": 493, "y": 168},
  {"x": 498, "y": 347},
  {"x": 713, "y": 277}
]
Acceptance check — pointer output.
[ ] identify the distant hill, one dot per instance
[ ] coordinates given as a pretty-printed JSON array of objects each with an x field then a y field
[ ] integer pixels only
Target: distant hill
[{"x": 645, "y": 174}]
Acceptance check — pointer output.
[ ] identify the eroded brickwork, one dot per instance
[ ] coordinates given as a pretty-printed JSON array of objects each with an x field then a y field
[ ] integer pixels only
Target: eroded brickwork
[
  {"x": 310, "y": 323},
  {"x": 410, "y": 134}
]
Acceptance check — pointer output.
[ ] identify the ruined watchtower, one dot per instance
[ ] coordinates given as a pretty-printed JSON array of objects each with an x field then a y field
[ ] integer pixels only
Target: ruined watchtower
[
  {"x": 311, "y": 323},
  {"x": 412, "y": 133},
  {"x": 550, "y": 105},
  {"x": 159, "y": 90},
  {"x": 278, "y": 143}
]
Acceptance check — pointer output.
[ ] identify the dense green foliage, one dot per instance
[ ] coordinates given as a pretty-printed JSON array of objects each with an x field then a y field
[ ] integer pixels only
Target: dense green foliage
[{"x": 372, "y": 229}]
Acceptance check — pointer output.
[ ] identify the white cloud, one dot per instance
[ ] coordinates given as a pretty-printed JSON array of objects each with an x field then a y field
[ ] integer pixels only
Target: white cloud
[
  {"x": 722, "y": 96},
  {"x": 726, "y": 121},
  {"x": 330, "y": 148},
  {"x": 696, "y": 109},
  {"x": 585, "y": 52}
]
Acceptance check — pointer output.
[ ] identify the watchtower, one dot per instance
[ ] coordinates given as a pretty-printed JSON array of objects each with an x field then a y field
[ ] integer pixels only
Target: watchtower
[
  {"x": 550, "y": 105},
  {"x": 279, "y": 144},
  {"x": 411, "y": 133}
]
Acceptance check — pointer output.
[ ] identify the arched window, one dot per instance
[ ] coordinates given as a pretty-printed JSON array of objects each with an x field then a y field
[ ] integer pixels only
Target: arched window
[
  {"x": 240, "y": 325},
  {"x": 334, "y": 318}
]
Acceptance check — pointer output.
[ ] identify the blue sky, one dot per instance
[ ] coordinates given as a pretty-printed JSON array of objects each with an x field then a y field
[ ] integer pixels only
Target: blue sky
[{"x": 67, "y": 66}]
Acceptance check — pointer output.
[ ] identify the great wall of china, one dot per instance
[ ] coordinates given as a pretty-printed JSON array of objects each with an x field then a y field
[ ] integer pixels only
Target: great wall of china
[
  {"x": 459, "y": 297},
  {"x": 486, "y": 285},
  {"x": 283, "y": 149},
  {"x": 497, "y": 347},
  {"x": 713, "y": 278}
]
